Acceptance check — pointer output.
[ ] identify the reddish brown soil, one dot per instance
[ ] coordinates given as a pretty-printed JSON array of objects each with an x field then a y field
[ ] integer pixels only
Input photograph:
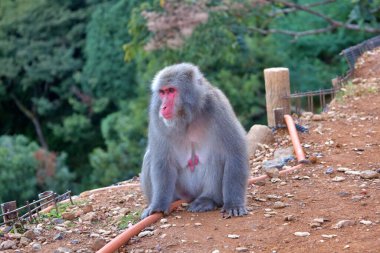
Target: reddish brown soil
[{"x": 368, "y": 65}]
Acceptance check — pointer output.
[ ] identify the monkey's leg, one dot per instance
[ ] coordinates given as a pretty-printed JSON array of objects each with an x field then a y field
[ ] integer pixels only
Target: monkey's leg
[
  {"x": 146, "y": 183},
  {"x": 234, "y": 186},
  {"x": 163, "y": 178},
  {"x": 202, "y": 204},
  {"x": 210, "y": 197}
]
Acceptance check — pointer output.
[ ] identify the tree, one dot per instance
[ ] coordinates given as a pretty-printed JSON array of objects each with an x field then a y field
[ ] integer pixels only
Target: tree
[{"x": 27, "y": 170}]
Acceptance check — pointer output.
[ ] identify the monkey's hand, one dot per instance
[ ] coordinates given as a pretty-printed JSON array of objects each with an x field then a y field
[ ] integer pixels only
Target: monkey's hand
[
  {"x": 229, "y": 211},
  {"x": 152, "y": 209}
]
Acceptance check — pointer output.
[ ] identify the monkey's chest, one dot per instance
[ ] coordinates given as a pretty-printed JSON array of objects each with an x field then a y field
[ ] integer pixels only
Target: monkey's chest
[{"x": 192, "y": 156}]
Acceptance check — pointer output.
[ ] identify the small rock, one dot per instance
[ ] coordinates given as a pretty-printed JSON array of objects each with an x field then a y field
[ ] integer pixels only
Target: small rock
[
  {"x": 369, "y": 174},
  {"x": 58, "y": 221},
  {"x": 357, "y": 198},
  {"x": 329, "y": 170},
  {"x": 94, "y": 235},
  {"x": 352, "y": 172},
  {"x": 36, "y": 246},
  {"x": 62, "y": 229},
  {"x": 63, "y": 250},
  {"x": 68, "y": 216},
  {"x": 319, "y": 220},
  {"x": 338, "y": 179},
  {"x": 313, "y": 159},
  {"x": 283, "y": 152},
  {"x": 24, "y": 241},
  {"x": 104, "y": 232},
  {"x": 9, "y": 244},
  {"x": 307, "y": 115},
  {"x": 343, "y": 194},
  {"x": 302, "y": 234},
  {"x": 289, "y": 218},
  {"x": 272, "y": 172},
  {"x": 145, "y": 233},
  {"x": 87, "y": 208},
  {"x": 74, "y": 241},
  {"x": 14, "y": 236},
  {"x": 273, "y": 197},
  {"x": 342, "y": 169},
  {"x": 198, "y": 224},
  {"x": 58, "y": 236},
  {"x": 365, "y": 222},
  {"x": 91, "y": 216},
  {"x": 279, "y": 205},
  {"x": 166, "y": 226},
  {"x": 275, "y": 180},
  {"x": 343, "y": 223},
  {"x": 329, "y": 236},
  {"x": 315, "y": 225},
  {"x": 233, "y": 236},
  {"x": 241, "y": 249},
  {"x": 164, "y": 221},
  {"x": 98, "y": 244},
  {"x": 258, "y": 134},
  {"x": 317, "y": 117},
  {"x": 215, "y": 251}
]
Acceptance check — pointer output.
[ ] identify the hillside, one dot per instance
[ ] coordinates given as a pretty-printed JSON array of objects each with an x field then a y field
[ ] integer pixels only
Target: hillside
[{"x": 331, "y": 199}]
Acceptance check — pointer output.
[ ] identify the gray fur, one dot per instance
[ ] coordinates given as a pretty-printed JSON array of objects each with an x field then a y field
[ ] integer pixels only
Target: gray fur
[{"x": 206, "y": 119}]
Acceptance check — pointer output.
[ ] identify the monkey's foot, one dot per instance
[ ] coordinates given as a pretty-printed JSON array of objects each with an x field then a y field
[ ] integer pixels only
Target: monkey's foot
[
  {"x": 234, "y": 211},
  {"x": 148, "y": 211},
  {"x": 202, "y": 205}
]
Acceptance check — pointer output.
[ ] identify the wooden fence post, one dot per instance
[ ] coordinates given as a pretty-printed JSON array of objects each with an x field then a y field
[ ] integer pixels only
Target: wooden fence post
[{"x": 277, "y": 92}]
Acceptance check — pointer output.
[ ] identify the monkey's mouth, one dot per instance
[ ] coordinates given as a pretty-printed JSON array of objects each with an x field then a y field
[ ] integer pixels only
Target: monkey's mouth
[{"x": 167, "y": 115}]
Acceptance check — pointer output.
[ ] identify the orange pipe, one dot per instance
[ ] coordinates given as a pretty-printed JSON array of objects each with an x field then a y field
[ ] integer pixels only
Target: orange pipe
[
  {"x": 124, "y": 237},
  {"x": 295, "y": 140},
  {"x": 262, "y": 177}
]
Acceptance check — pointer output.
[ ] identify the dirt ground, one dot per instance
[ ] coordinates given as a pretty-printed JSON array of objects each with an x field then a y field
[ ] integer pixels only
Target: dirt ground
[{"x": 341, "y": 143}]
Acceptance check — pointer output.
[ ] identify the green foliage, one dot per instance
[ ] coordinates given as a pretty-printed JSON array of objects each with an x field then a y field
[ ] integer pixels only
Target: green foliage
[
  {"x": 105, "y": 74},
  {"x": 125, "y": 136},
  {"x": 75, "y": 128},
  {"x": 63, "y": 178},
  {"x": 18, "y": 168},
  {"x": 131, "y": 218}
]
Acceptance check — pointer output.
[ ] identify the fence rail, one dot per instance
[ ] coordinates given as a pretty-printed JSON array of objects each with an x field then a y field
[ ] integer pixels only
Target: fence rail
[
  {"x": 324, "y": 95},
  {"x": 10, "y": 213}
]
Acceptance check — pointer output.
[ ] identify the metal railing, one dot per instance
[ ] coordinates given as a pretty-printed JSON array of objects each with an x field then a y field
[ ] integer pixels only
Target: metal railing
[
  {"x": 29, "y": 211},
  {"x": 351, "y": 54},
  {"x": 320, "y": 98}
]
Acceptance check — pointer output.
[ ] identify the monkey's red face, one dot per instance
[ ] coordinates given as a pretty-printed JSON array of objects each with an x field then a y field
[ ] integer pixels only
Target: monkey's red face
[{"x": 168, "y": 95}]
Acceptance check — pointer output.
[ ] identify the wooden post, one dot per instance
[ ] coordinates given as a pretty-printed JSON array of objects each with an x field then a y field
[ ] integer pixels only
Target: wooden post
[
  {"x": 9, "y": 211},
  {"x": 277, "y": 92}
]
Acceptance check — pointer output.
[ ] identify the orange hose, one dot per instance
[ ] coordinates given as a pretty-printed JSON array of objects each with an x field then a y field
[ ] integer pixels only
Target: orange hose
[
  {"x": 124, "y": 237},
  {"x": 262, "y": 177},
  {"x": 295, "y": 140}
]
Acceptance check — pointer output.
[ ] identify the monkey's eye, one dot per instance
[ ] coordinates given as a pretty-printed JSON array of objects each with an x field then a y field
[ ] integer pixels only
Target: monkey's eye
[
  {"x": 162, "y": 92},
  {"x": 171, "y": 90}
]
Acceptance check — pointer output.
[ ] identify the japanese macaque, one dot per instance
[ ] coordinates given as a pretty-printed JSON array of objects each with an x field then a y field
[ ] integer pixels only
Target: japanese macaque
[{"x": 196, "y": 146}]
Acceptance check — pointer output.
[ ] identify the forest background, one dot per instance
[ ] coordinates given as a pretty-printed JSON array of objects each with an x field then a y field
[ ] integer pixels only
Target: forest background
[{"x": 75, "y": 74}]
